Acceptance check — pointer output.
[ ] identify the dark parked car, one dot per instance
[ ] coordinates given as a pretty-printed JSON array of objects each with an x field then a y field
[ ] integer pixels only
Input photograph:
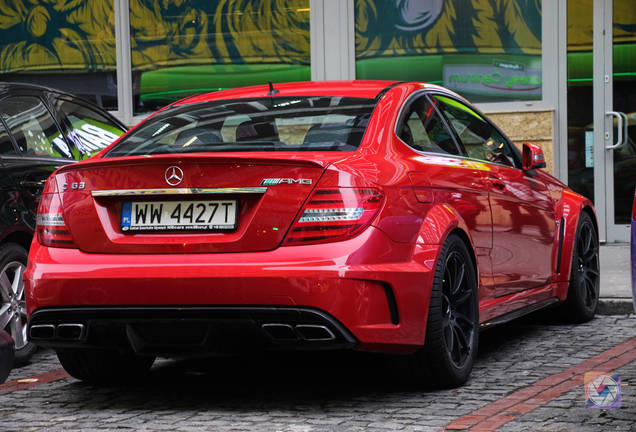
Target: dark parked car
[
  {"x": 41, "y": 129},
  {"x": 7, "y": 354}
]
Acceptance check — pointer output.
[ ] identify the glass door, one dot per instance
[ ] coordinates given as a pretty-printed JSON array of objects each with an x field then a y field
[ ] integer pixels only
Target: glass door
[{"x": 614, "y": 115}]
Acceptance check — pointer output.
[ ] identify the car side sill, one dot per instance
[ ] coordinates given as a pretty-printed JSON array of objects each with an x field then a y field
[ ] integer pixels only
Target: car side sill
[{"x": 502, "y": 319}]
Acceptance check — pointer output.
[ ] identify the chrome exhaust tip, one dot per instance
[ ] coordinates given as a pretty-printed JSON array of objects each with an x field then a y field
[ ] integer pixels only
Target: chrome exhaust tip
[
  {"x": 314, "y": 332},
  {"x": 70, "y": 331},
  {"x": 42, "y": 331},
  {"x": 280, "y": 332}
]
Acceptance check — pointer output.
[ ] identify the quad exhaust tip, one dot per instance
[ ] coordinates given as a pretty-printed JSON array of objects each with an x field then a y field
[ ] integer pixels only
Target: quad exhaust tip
[
  {"x": 314, "y": 332},
  {"x": 42, "y": 331},
  {"x": 280, "y": 332},
  {"x": 65, "y": 331},
  {"x": 307, "y": 332}
]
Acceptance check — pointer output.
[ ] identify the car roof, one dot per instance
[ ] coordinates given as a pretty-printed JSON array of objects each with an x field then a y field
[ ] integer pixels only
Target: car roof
[
  {"x": 18, "y": 86},
  {"x": 357, "y": 88},
  {"x": 362, "y": 89},
  {"x": 6, "y": 86}
]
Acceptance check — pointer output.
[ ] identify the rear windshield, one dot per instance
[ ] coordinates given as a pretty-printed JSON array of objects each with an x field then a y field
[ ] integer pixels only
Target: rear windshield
[{"x": 314, "y": 123}]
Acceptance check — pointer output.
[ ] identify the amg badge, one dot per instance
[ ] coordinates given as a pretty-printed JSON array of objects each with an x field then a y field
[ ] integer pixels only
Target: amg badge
[{"x": 275, "y": 181}]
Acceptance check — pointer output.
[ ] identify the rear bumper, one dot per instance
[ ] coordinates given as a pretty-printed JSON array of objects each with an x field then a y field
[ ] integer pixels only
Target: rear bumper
[
  {"x": 374, "y": 292},
  {"x": 169, "y": 330}
]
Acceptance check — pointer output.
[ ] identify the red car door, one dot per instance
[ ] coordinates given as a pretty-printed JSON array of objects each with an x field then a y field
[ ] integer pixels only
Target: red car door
[
  {"x": 460, "y": 183},
  {"x": 523, "y": 230},
  {"x": 522, "y": 209}
]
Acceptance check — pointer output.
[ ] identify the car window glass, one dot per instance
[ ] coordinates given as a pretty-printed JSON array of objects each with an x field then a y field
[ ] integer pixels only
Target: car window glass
[
  {"x": 295, "y": 123},
  {"x": 90, "y": 130},
  {"x": 33, "y": 127},
  {"x": 479, "y": 138},
  {"x": 423, "y": 129},
  {"x": 6, "y": 146}
]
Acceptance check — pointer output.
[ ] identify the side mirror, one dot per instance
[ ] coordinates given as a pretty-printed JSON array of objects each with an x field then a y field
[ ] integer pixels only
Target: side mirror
[{"x": 532, "y": 157}]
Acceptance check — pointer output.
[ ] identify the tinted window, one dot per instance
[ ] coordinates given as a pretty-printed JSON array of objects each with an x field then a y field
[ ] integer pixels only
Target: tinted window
[
  {"x": 6, "y": 146},
  {"x": 260, "y": 124},
  {"x": 423, "y": 129},
  {"x": 90, "y": 130},
  {"x": 480, "y": 140},
  {"x": 33, "y": 127}
]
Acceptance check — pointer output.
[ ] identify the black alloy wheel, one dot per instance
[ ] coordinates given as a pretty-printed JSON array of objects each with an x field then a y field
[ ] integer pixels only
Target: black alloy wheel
[
  {"x": 585, "y": 275},
  {"x": 452, "y": 328},
  {"x": 458, "y": 311}
]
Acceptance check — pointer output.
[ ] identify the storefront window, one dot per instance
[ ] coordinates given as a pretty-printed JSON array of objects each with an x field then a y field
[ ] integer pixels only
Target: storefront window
[
  {"x": 62, "y": 44},
  {"x": 580, "y": 25},
  {"x": 184, "y": 48},
  {"x": 488, "y": 51}
]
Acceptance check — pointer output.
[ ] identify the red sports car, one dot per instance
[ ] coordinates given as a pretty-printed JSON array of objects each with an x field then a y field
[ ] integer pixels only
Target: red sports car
[{"x": 368, "y": 215}]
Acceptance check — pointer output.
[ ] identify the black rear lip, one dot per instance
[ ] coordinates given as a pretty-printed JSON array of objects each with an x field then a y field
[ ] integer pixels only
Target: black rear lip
[{"x": 187, "y": 330}]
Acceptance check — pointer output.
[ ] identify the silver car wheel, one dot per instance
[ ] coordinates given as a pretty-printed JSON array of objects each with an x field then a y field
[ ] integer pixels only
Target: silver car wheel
[{"x": 13, "y": 315}]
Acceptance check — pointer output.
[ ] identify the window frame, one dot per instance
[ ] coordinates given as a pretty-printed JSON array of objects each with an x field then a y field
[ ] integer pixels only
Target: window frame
[
  {"x": 403, "y": 116},
  {"x": 19, "y": 152},
  {"x": 507, "y": 141},
  {"x": 57, "y": 99},
  {"x": 16, "y": 149}
]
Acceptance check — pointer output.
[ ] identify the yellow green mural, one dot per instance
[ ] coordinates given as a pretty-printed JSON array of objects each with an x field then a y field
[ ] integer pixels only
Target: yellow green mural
[
  {"x": 56, "y": 35},
  {"x": 414, "y": 27},
  {"x": 59, "y": 35},
  {"x": 485, "y": 49},
  {"x": 177, "y": 46}
]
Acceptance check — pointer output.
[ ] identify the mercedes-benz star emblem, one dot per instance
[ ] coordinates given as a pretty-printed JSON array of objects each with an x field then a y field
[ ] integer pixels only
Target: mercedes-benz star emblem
[{"x": 173, "y": 175}]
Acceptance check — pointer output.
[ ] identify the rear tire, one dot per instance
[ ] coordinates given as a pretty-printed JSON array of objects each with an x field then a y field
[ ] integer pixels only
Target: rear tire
[
  {"x": 452, "y": 329},
  {"x": 103, "y": 367},
  {"x": 583, "y": 291},
  {"x": 13, "y": 261}
]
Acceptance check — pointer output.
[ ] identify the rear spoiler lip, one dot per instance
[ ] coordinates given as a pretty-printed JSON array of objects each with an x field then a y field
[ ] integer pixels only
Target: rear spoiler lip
[{"x": 316, "y": 160}]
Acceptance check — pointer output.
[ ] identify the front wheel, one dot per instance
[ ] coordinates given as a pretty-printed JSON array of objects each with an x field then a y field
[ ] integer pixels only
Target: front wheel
[
  {"x": 452, "y": 329},
  {"x": 583, "y": 291},
  {"x": 103, "y": 367}
]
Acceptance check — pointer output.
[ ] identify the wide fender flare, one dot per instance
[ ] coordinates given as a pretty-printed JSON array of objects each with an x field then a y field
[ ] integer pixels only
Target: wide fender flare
[
  {"x": 440, "y": 221},
  {"x": 568, "y": 212}
]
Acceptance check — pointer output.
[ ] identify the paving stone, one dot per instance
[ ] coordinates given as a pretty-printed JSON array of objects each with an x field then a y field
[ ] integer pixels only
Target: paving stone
[{"x": 329, "y": 392}]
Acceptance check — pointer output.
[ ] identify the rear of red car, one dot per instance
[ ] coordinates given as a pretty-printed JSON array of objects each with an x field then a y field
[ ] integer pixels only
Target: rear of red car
[{"x": 226, "y": 225}]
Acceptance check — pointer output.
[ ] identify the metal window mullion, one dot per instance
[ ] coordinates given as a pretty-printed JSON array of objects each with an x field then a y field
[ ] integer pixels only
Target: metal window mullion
[
  {"x": 124, "y": 64},
  {"x": 599, "y": 108},
  {"x": 332, "y": 33},
  {"x": 317, "y": 39},
  {"x": 561, "y": 119}
]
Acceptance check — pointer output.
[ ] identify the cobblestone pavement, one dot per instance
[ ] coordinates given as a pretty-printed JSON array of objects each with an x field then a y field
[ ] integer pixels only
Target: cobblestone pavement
[{"x": 346, "y": 392}]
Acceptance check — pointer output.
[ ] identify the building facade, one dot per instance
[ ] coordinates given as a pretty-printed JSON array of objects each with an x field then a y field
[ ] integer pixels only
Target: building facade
[{"x": 558, "y": 73}]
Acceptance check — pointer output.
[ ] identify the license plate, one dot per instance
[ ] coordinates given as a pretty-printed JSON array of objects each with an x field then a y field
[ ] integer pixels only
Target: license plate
[{"x": 178, "y": 215}]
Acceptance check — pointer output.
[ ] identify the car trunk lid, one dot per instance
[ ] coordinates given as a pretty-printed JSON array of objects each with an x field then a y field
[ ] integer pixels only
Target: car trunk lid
[{"x": 267, "y": 191}]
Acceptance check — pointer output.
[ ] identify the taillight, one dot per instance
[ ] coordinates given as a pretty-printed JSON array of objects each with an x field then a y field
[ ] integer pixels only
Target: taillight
[
  {"x": 334, "y": 214},
  {"x": 51, "y": 228}
]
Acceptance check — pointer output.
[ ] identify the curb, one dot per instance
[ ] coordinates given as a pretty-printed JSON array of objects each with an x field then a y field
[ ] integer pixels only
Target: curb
[{"x": 615, "y": 306}]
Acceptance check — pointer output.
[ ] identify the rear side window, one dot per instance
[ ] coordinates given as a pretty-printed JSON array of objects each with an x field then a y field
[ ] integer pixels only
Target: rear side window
[
  {"x": 261, "y": 124},
  {"x": 6, "y": 146},
  {"x": 33, "y": 127},
  {"x": 423, "y": 129},
  {"x": 478, "y": 137},
  {"x": 90, "y": 130}
]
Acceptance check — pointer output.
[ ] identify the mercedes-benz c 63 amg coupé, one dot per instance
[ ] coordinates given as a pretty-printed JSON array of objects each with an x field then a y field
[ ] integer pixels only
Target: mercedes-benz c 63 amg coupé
[{"x": 368, "y": 215}]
